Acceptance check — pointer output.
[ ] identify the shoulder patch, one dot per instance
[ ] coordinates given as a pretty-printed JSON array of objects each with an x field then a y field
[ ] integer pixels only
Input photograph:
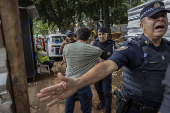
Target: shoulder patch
[
  {"x": 122, "y": 48},
  {"x": 92, "y": 42},
  {"x": 126, "y": 42}
]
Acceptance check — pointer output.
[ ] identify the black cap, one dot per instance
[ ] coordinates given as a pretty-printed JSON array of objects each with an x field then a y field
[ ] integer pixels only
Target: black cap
[
  {"x": 103, "y": 29},
  {"x": 68, "y": 32},
  {"x": 152, "y": 9}
]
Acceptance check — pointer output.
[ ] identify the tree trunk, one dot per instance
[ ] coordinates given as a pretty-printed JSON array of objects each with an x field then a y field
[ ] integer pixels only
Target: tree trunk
[
  {"x": 13, "y": 41},
  {"x": 106, "y": 16}
]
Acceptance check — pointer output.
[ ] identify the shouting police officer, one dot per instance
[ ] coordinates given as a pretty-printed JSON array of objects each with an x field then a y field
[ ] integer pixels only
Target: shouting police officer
[
  {"x": 145, "y": 60},
  {"x": 104, "y": 86}
]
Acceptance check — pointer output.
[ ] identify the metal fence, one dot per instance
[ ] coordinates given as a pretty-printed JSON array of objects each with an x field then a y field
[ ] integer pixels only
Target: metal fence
[
  {"x": 118, "y": 28},
  {"x": 5, "y": 98}
]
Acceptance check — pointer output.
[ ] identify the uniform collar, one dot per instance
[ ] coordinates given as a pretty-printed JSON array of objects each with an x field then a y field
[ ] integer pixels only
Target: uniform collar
[
  {"x": 103, "y": 42},
  {"x": 148, "y": 42}
]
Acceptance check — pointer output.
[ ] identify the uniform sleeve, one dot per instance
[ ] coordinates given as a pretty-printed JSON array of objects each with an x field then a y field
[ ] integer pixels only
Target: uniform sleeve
[
  {"x": 165, "y": 107},
  {"x": 94, "y": 43},
  {"x": 122, "y": 56}
]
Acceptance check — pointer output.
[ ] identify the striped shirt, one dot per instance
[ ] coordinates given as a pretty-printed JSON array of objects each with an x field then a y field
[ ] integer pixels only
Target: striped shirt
[{"x": 80, "y": 58}]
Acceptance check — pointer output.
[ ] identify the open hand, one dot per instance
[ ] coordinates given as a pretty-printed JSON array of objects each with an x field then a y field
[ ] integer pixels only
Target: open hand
[{"x": 58, "y": 92}]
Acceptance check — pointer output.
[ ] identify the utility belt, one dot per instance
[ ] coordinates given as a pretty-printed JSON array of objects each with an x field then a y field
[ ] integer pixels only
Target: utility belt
[{"x": 126, "y": 101}]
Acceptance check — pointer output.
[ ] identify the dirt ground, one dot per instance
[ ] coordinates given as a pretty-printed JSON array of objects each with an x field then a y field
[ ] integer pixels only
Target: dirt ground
[{"x": 45, "y": 79}]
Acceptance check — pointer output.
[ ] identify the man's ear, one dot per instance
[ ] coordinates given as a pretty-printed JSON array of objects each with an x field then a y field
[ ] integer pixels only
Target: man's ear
[{"x": 142, "y": 25}]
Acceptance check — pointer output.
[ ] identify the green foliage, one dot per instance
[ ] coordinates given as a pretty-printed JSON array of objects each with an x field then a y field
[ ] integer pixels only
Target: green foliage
[
  {"x": 66, "y": 13},
  {"x": 43, "y": 28},
  {"x": 58, "y": 11},
  {"x": 119, "y": 13}
]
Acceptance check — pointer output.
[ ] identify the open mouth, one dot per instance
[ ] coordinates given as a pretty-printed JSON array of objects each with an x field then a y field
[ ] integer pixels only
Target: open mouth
[{"x": 159, "y": 27}]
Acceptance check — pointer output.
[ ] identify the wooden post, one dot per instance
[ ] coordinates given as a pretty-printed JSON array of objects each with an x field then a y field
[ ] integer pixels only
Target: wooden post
[{"x": 11, "y": 25}]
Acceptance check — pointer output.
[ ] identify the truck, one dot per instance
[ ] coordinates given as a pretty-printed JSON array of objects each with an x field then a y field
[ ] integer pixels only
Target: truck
[{"x": 53, "y": 44}]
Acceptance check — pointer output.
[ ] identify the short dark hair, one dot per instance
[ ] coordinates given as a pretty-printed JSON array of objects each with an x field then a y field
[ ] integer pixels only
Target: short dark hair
[
  {"x": 83, "y": 33},
  {"x": 142, "y": 20}
]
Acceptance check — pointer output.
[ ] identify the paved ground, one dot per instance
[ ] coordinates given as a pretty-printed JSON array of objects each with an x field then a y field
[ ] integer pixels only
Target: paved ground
[{"x": 44, "y": 79}]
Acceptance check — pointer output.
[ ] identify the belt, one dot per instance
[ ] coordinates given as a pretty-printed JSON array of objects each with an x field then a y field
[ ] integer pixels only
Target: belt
[
  {"x": 143, "y": 107},
  {"x": 140, "y": 106}
]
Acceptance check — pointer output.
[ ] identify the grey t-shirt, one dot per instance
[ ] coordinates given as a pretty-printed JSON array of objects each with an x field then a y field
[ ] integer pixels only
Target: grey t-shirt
[{"x": 80, "y": 58}]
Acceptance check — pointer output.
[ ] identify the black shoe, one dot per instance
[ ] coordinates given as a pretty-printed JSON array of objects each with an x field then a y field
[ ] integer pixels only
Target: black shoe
[{"x": 100, "y": 106}]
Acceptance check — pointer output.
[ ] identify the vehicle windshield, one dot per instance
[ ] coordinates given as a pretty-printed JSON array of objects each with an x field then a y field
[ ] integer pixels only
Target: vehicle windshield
[{"x": 57, "y": 39}]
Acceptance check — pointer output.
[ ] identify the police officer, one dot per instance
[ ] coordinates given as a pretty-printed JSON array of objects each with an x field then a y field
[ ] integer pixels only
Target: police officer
[
  {"x": 104, "y": 87},
  {"x": 145, "y": 61}
]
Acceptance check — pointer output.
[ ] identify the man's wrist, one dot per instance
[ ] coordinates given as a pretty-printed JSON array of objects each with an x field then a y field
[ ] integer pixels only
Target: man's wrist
[{"x": 78, "y": 84}]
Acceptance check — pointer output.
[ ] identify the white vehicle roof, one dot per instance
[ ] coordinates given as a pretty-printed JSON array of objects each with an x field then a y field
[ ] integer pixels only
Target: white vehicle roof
[{"x": 56, "y": 35}]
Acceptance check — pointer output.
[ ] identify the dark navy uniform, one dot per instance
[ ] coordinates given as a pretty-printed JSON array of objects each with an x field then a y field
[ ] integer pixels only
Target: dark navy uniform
[
  {"x": 144, "y": 69},
  {"x": 165, "y": 107},
  {"x": 104, "y": 87}
]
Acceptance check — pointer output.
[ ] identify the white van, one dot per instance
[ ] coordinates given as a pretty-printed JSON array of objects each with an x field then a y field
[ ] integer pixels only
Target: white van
[{"x": 53, "y": 44}]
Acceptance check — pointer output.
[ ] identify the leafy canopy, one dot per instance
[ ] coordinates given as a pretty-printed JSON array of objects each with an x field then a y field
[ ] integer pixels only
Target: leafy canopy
[{"x": 66, "y": 13}]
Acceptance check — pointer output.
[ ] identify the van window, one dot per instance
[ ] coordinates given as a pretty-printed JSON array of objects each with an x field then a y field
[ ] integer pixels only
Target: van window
[{"x": 57, "y": 39}]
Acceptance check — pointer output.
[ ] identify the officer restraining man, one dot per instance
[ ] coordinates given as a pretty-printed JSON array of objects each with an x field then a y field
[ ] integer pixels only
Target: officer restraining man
[
  {"x": 145, "y": 61},
  {"x": 104, "y": 86}
]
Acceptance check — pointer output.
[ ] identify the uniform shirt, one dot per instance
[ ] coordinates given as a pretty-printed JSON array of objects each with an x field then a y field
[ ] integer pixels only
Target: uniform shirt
[
  {"x": 107, "y": 47},
  {"x": 132, "y": 56},
  {"x": 80, "y": 57}
]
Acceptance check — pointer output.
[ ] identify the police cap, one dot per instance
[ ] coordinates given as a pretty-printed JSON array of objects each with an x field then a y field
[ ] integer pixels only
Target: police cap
[
  {"x": 152, "y": 9},
  {"x": 103, "y": 29}
]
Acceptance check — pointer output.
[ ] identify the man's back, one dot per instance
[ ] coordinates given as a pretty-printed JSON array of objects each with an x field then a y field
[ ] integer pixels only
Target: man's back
[{"x": 80, "y": 57}]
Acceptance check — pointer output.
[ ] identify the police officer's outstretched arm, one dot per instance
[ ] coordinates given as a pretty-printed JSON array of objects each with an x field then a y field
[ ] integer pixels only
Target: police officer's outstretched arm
[{"x": 69, "y": 86}]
